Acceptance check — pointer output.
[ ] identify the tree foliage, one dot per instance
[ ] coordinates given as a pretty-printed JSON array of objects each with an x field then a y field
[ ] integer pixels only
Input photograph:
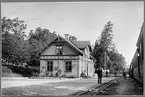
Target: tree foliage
[
  {"x": 13, "y": 43},
  {"x": 73, "y": 38},
  {"x": 107, "y": 36},
  {"x": 38, "y": 40},
  {"x": 104, "y": 44},
  {"x": 98, "y": 54},
  {"x": 15, "y": 26},
  {"x": 16, "y": 48}
]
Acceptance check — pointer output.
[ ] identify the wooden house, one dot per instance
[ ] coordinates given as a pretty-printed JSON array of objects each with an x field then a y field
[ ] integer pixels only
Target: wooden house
[{"x": 71, "y": 57}]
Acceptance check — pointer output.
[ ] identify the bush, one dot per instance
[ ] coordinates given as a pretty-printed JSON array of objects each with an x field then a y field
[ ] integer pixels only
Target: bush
[
  {"x": 6, "y": 70},
  {"x": 5, "y": 74},
  {"x": 42, "y": 75},
  {"x": 26, "y": 72},
  {"x": 21, "y": 70},
  {"x": 14, "y": 75},
  {"x": 35, "y": 69},
  {"x": 35, "y": 74},
  {"x": 64, "y": 75}
]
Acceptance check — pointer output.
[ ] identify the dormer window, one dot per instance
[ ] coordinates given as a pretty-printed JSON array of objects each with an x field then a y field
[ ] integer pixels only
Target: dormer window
[{"x": 59, "y": 50}]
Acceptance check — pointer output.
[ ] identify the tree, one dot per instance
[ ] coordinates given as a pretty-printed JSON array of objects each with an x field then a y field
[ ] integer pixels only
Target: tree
[
  {"x": 105, "y": 50},
  {"x": 103, "y": 44},
  {"x": 107, "y": 36},
  {"x": 13, "y": 44},
  {"x": 97, "y": 54},
  {"x": 38, "y": 40},
  {"x": 73, "y": 38},
  {"x": 118, "y": 59},
  {"x": 13, "y": 25}
]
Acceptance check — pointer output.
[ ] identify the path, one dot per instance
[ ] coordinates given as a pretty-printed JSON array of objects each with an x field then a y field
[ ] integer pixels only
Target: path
[
  {"x": 48, "y": 88},
  {"x": 124, "y": 87}
]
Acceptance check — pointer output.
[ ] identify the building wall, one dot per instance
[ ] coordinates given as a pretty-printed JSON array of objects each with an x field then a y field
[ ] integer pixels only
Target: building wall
[
  {"x": 141, "y": 72},
  {"x": 86, "y": 65},
  {"x": 57, "y": 64},
  {"x": 51, "y": 50},
  {"x": 143, "y": 69},
  {"x": 74, "y": 69},
  {"x": 135, "y": 72},
  {"x": 43, "y": 67},
  {"x": 87, "y": 51},
  {"x": 78, "y": 65},
  {"x": 143, "y": 63},
  {"x": 143, "y": 66},
  {"x": 91, "y": 68},
  {"x": 61, "y": 65}
]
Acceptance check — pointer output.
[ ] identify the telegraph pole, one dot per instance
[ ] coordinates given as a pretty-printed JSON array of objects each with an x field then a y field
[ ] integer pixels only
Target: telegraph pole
[
  {"x": 105, "y": 57},
  {"x": 58, "y": 51}
]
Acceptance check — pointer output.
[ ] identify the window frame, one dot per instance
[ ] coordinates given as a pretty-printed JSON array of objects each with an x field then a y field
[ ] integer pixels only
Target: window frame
[
  {"x": 58, "y": 49},
  {"x": 68, "y": 66},
  {"x": 50, "y": 66}
]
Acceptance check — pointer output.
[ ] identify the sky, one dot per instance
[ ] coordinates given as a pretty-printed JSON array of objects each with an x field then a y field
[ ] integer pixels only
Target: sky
[{"x": 85, "y": 20}]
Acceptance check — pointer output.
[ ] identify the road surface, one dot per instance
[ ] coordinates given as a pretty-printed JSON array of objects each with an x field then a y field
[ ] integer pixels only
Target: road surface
[{"x": 47, "y": 87}]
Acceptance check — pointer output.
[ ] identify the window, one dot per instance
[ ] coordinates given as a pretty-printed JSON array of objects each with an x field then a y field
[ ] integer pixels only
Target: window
[
  {"x": 50, "y": 66},
  {"x": 59, "y": 50},
  {"x": 68, "y": 66}
]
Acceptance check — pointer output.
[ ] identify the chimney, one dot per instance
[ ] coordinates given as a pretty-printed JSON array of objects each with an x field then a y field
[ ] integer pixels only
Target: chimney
[{"x": 67, "y": 36}]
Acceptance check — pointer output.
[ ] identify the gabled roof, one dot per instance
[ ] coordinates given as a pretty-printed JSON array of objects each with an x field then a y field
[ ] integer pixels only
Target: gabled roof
[
  {"x": 81, "y": 44},
  {"x": 77, "y": 45},
  {"x": 72, "y": 45},
  {"x": 69, "y": 42},
  {"x": 47, "y": 45}
]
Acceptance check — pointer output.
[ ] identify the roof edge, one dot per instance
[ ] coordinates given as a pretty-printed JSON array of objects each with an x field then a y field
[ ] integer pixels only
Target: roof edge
[{"x": 140, "y": 35}]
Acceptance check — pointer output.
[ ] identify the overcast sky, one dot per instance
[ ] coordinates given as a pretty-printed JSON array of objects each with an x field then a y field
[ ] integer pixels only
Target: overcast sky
[{"x": 85, "y": 20}]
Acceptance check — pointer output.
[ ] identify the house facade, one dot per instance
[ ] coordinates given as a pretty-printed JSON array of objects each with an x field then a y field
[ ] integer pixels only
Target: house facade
[
  {"x": 71, "y": 57},
  {"x": 138, "y": 61}
]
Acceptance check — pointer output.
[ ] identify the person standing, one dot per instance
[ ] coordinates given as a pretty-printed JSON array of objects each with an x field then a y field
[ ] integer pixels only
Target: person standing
[
  {"x": 124, "y": 74},
  {"x": 99, "y": 72},
  {"x": 82, "y": 75},
  {"x": 59, "y": 73}
]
